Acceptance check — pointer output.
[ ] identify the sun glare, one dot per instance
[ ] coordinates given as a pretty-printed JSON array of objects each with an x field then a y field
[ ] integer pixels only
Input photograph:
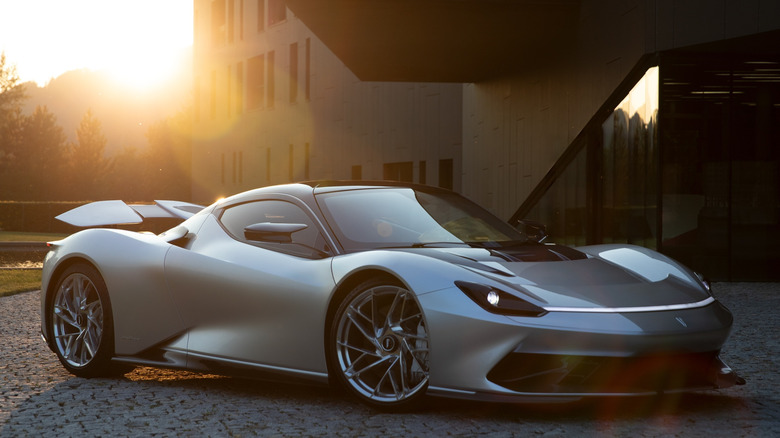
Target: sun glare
[
  {"x": 147, "y": 70},
  {"x": 143, "y": 44},
  {"x": 151, "y": 53}
]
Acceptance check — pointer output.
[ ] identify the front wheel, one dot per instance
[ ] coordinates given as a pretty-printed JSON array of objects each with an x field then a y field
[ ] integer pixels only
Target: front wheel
[
  {"x": 80, "y": 323},
  {"x": 379, "y": 346}
]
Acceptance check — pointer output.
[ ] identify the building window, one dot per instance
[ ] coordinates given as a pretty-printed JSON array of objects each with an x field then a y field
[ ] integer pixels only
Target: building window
[
  {"x": 218, "y": 22},
  {"x": 241, "y": 20},
  {"x": 234, "y": 167},
  {"x": 293, "y": 72},
  {"x": 231, "y": 21},
  {"x": 445, "y": 174},
  {"x": 307, "y": 66},
  {"x": 271, "y": 67},
  {"x": 260, "y": 15},
  {"x": 268, "y": 164},
  {"x": 398, "y": 171},
  {"x": 357, "y": 173},
  {"x": 196, "y": 98},
  {"x": 229, "y": 92},
  {"x": 213, "y": 96},
  {"x": 239, "y": 88},
  {"x": 291, "y": 168},
  {"x": 240, "y": 167},
  {"x": 277, "y": 12},
  {"x": 306, "y": 161},
  {"x": 255, "y": 82},
  {"x": 222, "y": 169}
]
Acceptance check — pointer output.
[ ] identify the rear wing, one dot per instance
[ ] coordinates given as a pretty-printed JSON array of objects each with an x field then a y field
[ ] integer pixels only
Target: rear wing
[{"x": 104, "y": 213}]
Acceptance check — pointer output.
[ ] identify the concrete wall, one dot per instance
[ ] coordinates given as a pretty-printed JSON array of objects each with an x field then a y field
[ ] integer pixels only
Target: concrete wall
[
  {"x": 516, "y": 128},
  {"x": 344, "y": 123}
]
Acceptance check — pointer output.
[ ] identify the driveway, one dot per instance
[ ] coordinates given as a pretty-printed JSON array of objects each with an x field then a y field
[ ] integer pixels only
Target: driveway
[{"x": 38, "y": 398}]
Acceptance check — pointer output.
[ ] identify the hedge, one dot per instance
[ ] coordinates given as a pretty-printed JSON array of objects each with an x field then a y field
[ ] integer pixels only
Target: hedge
[{"x": 38, "y": 217}]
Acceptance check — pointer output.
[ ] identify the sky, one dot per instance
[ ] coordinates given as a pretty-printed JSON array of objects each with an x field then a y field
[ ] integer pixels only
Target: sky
[{"x": 140, "y": 42}]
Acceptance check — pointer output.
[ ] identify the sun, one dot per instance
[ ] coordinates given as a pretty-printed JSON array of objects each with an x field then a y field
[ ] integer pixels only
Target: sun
[
  {"x": 153, "y": 51},
  {"x": 149, "y": 70},
  {"x": 143, "y": 44}
]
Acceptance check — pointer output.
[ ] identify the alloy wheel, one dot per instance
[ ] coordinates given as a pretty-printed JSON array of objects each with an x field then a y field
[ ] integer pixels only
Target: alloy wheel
[
  {"x": 77, "y": 320},
  {"x": 382, "y": 345}
]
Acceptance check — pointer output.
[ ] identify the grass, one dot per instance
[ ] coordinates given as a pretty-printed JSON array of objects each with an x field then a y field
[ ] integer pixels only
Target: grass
[
  {"x": 18, "y": 281},
  {"x": 20, "y": 236},
  {"x": 14, "y": 281}
]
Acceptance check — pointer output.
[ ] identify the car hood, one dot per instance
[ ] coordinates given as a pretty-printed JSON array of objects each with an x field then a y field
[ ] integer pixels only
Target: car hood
[{"x": 563, "y": 277}]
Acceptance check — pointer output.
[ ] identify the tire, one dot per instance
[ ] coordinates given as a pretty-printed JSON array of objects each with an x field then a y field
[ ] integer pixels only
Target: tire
[
  {"x": 378, "y": 346},
  {"x": 80, "y": 323}
]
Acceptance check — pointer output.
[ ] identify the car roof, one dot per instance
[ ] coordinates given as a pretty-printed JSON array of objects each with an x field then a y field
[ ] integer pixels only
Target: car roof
[
  {"x": 305, "y": 191},
  {"x": 331, "y": 186}
]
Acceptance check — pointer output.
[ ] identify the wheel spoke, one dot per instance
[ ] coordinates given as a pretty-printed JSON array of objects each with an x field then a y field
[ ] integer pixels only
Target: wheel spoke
[
  {"x": 403, "y": 321},
  {"x": 412, "y": 352},
  {"x": 392, "y": 310},
  {"x": 65, "y": 316},
  {"x": 370, "y": 336},
  {"x": 358, "y": 349},
  {"x": 72, "y": 346},
  {"x": 351, "y": 372},
  {"x": 375, "y": 312},
  {"x": 389, "y": 376}
]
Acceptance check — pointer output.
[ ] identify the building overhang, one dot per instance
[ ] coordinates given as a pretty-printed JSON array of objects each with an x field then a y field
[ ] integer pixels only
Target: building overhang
[{"x": 439, "y": 40}]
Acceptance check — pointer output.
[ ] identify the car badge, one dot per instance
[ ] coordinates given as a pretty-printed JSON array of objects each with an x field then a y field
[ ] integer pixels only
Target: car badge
[{"x": 681, "y": 321}]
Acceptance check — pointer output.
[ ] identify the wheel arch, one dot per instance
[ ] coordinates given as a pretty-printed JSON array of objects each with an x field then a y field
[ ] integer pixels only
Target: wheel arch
[
  {"x": 65, "y": 264},
  {"x": 54, "y": 279}
]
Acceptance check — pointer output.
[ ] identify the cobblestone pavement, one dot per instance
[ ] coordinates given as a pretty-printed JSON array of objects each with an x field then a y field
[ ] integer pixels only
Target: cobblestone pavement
[{"x": 38, "y": 398}]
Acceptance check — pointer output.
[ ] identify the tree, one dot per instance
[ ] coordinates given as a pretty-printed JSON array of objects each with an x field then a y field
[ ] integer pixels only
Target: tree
[
  {"x": 35, "y": 156},
  {"x": 10, "y": 143},
  {"x": 41, "y": 157},
  {"x": 127, "y": 181},
  {"x": 168, "y": 158},
  {"x": 88, "y": 165},
  {"x": 11, "y": 97},
  {"x": 11, "y": 92}
]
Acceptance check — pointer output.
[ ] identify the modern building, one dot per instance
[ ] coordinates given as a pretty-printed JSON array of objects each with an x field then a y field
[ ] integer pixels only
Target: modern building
[
  {"x": 653, "y": 122},
  {"x": 273, "y": 105}
]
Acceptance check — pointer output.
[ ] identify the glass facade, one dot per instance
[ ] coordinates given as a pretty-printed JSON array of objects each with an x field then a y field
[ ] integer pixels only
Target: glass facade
[
  {"x": 687, "y": 163},
  {"x": 564, "y": 207},
  {"x": 607, "y": 191},
  {"x": 720, "y": 160},
  {"x": 629, "y": 146}
]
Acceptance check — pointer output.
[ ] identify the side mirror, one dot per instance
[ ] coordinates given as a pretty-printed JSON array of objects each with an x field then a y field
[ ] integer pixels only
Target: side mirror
[
  {"x": 535, "y": 231},
  {"x": 271, "y": 232}
]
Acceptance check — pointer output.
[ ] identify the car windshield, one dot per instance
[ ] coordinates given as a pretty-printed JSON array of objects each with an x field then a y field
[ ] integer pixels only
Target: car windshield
[{"x": 403, "y": 217}]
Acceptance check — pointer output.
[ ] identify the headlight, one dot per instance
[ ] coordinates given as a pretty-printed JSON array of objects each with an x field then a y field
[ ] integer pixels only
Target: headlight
[{"x": 497, "y": 301}]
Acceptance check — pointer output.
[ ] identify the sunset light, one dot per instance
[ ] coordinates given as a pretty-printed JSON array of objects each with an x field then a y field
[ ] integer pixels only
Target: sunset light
[{"x": 141, "y": 43}]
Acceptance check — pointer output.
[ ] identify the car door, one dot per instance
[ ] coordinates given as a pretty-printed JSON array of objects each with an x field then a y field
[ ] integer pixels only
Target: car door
[{"x": 254, "y": 303}]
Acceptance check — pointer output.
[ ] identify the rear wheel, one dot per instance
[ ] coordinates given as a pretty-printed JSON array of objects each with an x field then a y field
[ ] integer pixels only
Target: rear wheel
[
  {"x": 80, "y": 323},
  {"x": 379, "y": 346}
]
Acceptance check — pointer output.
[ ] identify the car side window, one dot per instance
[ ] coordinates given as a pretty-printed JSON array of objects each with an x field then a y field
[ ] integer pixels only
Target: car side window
[{"x": 307, "y": 242}]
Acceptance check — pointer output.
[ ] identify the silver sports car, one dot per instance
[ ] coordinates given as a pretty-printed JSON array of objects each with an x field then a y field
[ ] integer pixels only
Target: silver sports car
[{"x": 390, "y": 291}]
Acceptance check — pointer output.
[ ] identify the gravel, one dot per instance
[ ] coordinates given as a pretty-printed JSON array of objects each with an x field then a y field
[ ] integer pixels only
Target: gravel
[{"x": 39, "y": 398}]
